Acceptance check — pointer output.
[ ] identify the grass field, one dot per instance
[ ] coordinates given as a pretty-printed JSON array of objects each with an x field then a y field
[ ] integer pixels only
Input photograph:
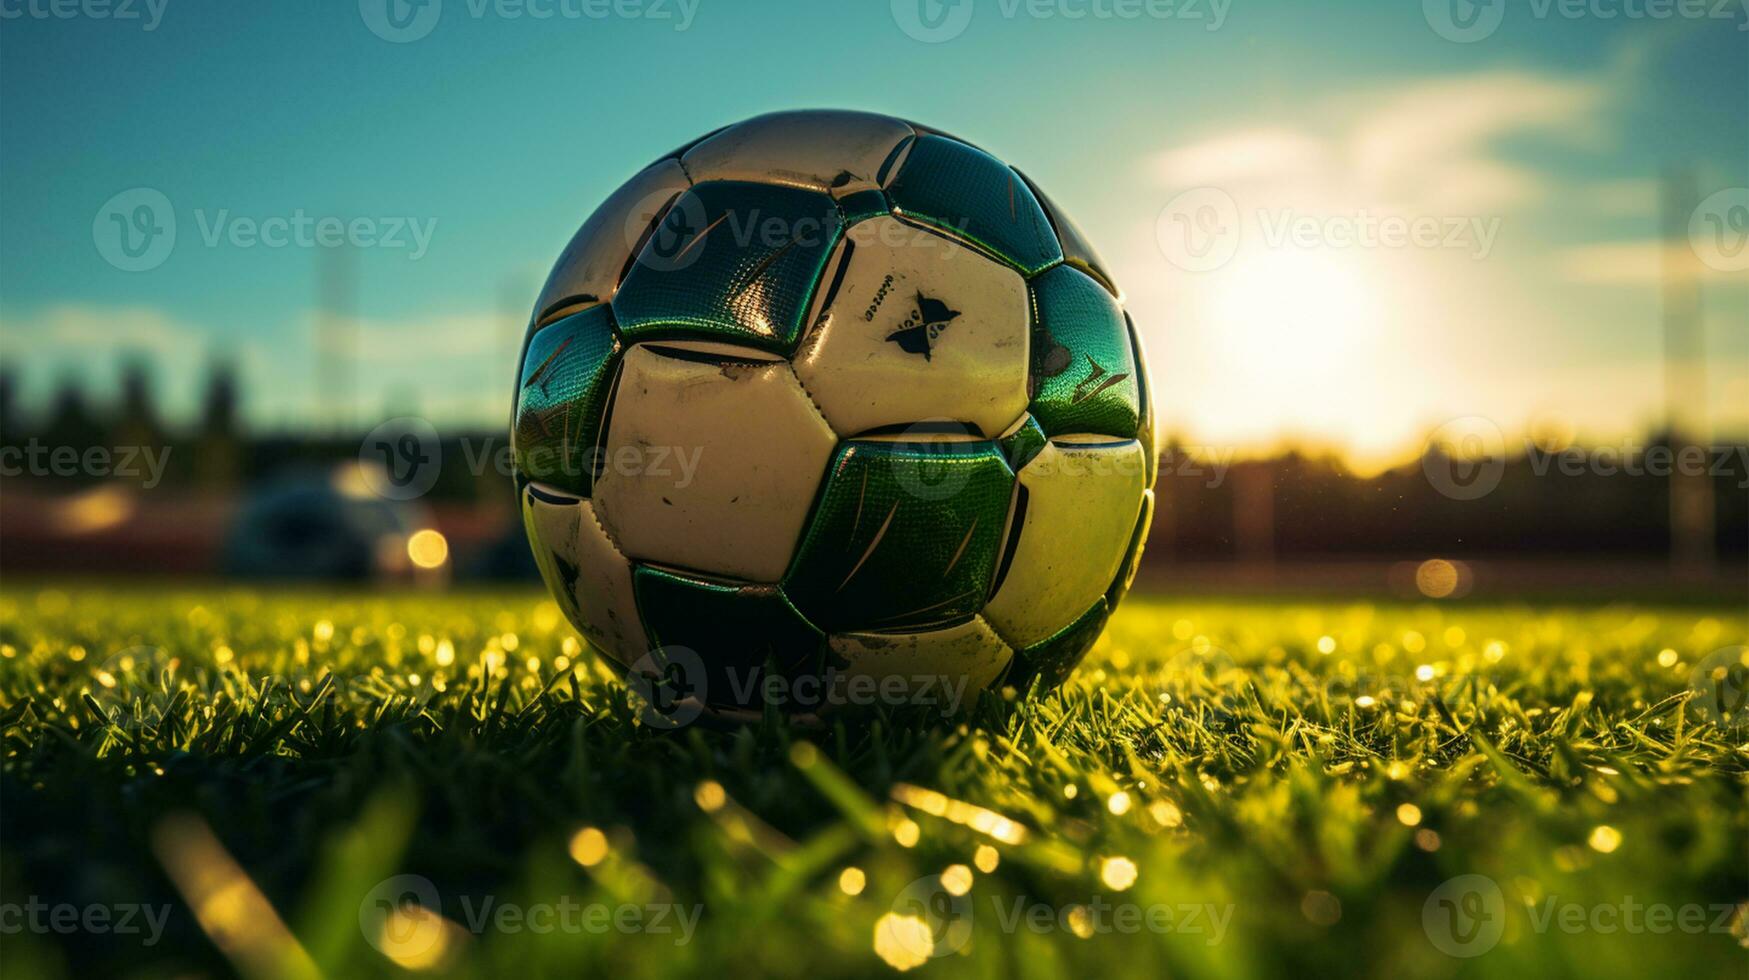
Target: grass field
[{"x": 1222, "y": 789}]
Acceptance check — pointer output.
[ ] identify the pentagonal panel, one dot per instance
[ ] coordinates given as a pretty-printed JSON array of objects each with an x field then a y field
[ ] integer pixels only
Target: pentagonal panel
[
  {"x": 590, "y": 267},
  {"x": 1144, "y": 402},
  {"x": 1077, "y": 251},
  {"x": 1081, "y": 503},
  {"x": 951, "y": 185},
  {"x": 905, "y": 536},
  {"x": 949, "y": 666},
  {"x": 730, "y": 261},
  {"x": 1083, "y": 368},
  {"x": 1132, "y": 559},
  {"x": 912, "y": 327},
  {"x": 823, "y": 150},
  {"x": 567, "y": 374},
  {"x": 588, "y": 576},
  {"x": 735, "y": 630},
  {"x": 1052, "y": 660},
  {"x": 711, "y": 461}
]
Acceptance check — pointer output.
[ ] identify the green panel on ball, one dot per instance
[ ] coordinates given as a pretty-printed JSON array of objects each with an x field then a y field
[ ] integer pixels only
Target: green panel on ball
[
  {"x": 1052, "y": 660},
  {"x": 1144, "y": 406},
  {"x": 863, "y": 205},
  {"x": 567, "y": 376},
  {"x": 1023, "y": 444},
  {"x": 1132, "y": 559},
  {"x": 730, "y": 261},
  {"x": 905, "y": 536},
  {"x": 735, "y": 629},
  {"x": 1083, "y": 367},
  {"x": 957, "y": 187}
]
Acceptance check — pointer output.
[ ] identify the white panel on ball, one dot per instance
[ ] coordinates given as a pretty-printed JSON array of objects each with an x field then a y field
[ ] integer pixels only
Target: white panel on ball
[
  {"x": 839, "y": 152},
  {"x": 919, "y": 328},
  {"x": 711, "y": 463},
  {"x": 594, "y": 575},
  {"x": 926, "y": 665},
  {"x": 1081, "y": 506}
]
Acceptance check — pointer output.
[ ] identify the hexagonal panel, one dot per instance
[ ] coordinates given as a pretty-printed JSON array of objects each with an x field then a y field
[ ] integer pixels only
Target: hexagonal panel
[
  {"x": 954, "y": 186},
  {"x": 730, "y": 261},
  {"x": 905, "y": 536},
  {"x": 1083, "y": 367},
  {"x": 1077, "y": 250},
  {"x": 951, "y": 664},
  {"x": 567, "y": 376},
  {"x": 824, "y": 150},
  {"x": 1078, "y": 515},
  {"x": 590, "y": 267},
  {"x": 711, "y": 461},
  {"x": 735, "y": 629},
  {"x": 584, "y": 572},
  {"x": 912, "y": 326},
  {"x": 1052, "y": 660}
]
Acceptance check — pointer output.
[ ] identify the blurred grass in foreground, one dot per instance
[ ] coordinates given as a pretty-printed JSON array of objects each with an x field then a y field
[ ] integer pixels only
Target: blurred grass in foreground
[{"x": 1223, "y": 789}]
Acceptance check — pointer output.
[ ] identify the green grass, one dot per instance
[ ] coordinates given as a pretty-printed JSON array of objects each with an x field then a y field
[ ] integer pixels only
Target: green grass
[{"x": 305, "y": 739}]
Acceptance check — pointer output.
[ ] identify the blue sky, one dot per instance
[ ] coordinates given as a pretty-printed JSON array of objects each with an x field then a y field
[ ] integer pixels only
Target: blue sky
[{"x": 497, "y": 132}]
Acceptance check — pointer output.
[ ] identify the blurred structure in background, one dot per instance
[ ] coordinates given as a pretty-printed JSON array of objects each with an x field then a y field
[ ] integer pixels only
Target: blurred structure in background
[{"x": 299, "y": 505}]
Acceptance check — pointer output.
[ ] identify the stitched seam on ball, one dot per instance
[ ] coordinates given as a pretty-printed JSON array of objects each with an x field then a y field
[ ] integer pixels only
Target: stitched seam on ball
[
  {"x": 821, "y": 412},
  {"x": 618, "y": 548}
]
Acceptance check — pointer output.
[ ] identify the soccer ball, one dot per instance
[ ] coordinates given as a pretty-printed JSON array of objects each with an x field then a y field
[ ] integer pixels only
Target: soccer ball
[{"x": 826, "y": 403}]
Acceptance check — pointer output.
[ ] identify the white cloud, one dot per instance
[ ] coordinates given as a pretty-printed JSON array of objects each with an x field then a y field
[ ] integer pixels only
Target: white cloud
[{"x": 1421, "y": 147}]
